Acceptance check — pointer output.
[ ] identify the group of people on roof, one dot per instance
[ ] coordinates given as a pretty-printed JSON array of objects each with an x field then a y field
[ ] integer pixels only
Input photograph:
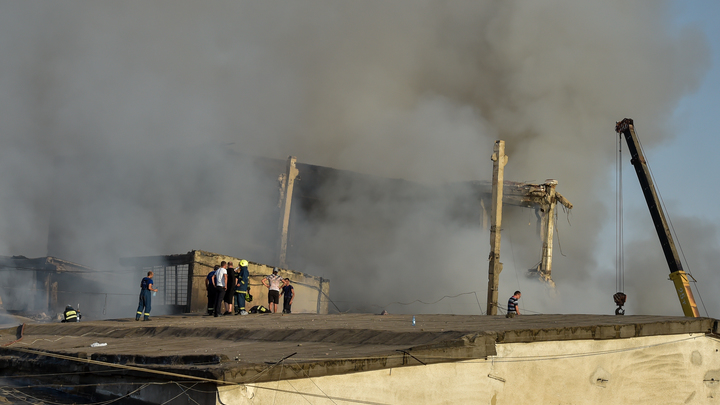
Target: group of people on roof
[{"x": 228, "y": 290}]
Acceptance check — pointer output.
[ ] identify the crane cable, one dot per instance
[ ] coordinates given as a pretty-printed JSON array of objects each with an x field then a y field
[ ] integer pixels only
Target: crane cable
[
  {"x": 619, "y": 297},
  {"x": 672, "y": 228},
  {"x": 619, "y": 242}
]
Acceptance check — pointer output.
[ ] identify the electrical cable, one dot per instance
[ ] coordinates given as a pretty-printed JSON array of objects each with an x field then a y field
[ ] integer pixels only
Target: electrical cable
[
  {"x": 316, "y": 386},
  {"x": 108, "y": 402},
  {"x": 55, "y": 374},
  {"x": 185, "y": 392},
  {"x": 118, "y": 366},
  {"x": 278, "y": 381},
  {"x": 426, "y": 303},
  {"x": 557, "y": 229},
  {"x": 296, "y": 390}
]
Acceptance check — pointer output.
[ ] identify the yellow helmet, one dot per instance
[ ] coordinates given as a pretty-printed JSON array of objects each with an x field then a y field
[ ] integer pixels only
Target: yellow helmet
[{"x": 243, "y": 263}]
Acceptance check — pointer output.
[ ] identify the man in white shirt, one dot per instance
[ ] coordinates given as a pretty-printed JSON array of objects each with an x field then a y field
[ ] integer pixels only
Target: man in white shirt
[
  {"x": 273, "y": 283},
  {"x": 221, "y": 282}
]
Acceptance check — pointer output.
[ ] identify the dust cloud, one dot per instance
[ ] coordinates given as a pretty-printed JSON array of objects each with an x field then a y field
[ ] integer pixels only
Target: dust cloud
[{"x": 122, "y": 122}]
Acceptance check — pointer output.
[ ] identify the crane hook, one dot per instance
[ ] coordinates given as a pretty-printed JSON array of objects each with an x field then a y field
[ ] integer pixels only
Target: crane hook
[{"x": 619, "y": 301}]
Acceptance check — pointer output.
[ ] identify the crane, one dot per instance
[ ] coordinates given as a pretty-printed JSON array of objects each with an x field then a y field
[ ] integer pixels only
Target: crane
[{"x": 678, "y": 276}]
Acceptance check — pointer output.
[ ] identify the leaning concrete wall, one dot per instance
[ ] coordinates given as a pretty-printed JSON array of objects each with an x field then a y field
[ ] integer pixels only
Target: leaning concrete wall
[
  {"x": 311, "y": 293},
  {"x": 670, "y": 369}
]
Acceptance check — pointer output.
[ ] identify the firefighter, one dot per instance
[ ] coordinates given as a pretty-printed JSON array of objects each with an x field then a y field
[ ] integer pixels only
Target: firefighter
[
  {"x": 241, "y": 287},
  {"x": 71, "y": 315},
  {"x": 146, "y": 290}
]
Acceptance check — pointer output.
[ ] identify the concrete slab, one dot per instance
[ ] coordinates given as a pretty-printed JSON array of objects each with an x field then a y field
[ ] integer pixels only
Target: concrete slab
[{"x": 241, "y": 349}]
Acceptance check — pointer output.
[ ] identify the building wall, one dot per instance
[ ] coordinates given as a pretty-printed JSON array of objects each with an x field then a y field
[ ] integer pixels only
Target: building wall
[
  {"x": 668, "y": 369},
  {"x": 311, "y": 293}
]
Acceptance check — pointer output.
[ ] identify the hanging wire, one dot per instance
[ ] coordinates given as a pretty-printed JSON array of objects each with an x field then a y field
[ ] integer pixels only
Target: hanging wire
[
  {"x": 557, "y": 230},
  {"x": 672, "y": 229},
  {"x": 619, "y": 224}
]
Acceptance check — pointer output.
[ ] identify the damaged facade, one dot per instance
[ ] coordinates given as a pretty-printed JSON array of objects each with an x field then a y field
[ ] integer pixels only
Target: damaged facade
[
  {"x": 543, "y": 199},
  {"x": 287, "y": 204}
]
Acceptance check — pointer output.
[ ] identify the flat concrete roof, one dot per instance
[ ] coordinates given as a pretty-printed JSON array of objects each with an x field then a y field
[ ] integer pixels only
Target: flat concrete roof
[{"x": 250, "y": 348}]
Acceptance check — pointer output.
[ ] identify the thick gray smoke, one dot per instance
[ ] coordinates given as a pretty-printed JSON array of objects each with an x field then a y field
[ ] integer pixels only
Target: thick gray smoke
[{"x": 130, "y": 106}]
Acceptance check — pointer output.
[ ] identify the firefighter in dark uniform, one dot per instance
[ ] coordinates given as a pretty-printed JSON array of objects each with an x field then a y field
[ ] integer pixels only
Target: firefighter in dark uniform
[
  {"x": 242, "y": 289},
  {"x": 71, "y": 315},
  {"x": 146, "y": 290}
]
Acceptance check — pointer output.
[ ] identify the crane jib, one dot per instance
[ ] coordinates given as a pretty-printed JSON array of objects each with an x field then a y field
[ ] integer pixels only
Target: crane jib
[{"x": 677, "y": 274}]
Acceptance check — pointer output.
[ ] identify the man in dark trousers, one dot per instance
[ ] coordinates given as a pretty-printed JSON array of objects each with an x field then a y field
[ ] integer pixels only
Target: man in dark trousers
[
  {"x": 241, "y": 287},
  {"x": 211, "y": 293},
  {"x": 288, "y": 294},
  {"x": 513, "y": 308},
  {"x": 230, "y": 290},
  {"x": 146, "y": 290},
  {"x": 220, "y": 281}
]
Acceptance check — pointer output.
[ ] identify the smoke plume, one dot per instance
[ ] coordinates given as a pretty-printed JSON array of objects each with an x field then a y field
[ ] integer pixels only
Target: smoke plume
[{"x": 116, "y": 118}]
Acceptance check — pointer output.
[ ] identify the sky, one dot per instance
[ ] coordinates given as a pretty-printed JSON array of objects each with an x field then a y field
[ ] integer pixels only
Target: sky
[
  {"x": 683, "y": 166},
  {"x": 692, "y": 155},
  {"x": 112, "y": 116}
]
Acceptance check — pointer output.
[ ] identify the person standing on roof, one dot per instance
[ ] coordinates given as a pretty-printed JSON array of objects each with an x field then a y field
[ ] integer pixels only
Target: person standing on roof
[
  {"x": 211, "y": 293},
  {"x": 220, "y": 281},
  {"x": 230, "y": 290},
  {"x": 241, "y": 287},
  {"x": 273, "y": 282},
  {"x": 288, "y": 293},
  {"x": 513, "y": 308},
  {"x": 146, "y": 290}
]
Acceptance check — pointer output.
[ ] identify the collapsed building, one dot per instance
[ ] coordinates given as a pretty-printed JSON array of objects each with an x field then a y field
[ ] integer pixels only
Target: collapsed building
[
  {"x": 285, "y": 210},
  {"x": 469, "y": 202}
]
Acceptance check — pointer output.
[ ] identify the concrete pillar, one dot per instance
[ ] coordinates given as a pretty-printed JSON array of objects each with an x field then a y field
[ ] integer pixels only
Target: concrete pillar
[
  {"x": 286, "y": 192},
  {"x": 47, "y": 293},
  {"x": 548, "y": 229},
  {"x": 499, "y": 161},
  {"x": 323, "y": 294}
]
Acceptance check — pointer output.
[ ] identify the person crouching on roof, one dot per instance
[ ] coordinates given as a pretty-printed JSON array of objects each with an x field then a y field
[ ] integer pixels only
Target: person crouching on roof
[{"x": 71, "y": 315}]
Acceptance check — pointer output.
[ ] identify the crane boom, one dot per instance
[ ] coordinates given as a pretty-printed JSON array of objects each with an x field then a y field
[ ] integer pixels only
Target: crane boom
[{"x": 677, "y": 274}]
